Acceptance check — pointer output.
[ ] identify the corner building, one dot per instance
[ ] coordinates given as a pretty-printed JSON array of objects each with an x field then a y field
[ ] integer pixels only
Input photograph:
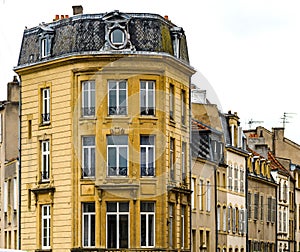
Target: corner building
[{"x": 105, "y": 134}]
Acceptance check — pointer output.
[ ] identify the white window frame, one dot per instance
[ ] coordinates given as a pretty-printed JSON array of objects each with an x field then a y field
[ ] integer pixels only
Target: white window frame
[
  {"x": 147, "y": 215},
  {"x": 117, "y": 214},
  {"x": 145, "y": 96},
  {"x": 218, "y": 217},
  {"x": 45, "y": 162},
  {"x": 193, "y": 193},
  {"x": 91, "y": 153},
  {"x": 236, "y": 178},
  {"x": 201, "y": 195},
  {"x": 88, "y": 90},
  {"x": 242, "y": 180},
  {"x": 230, "y": 172},
  {"x": 148, "y": 148},
  {"x": 208, "y": 196},
  {"x": 183, "y": 160},
  {"x": 117, "y": 147},
  {"x": 182, "y": 224},
  {"x": 15, "y": 202},
  {"x": 5, "y": 196},
  {"x": 45, "y": 47},
  {"x": 46, "y": 226},
  {"x": 172, "y": 102},
  {"x": 172, "y": 158},
  {"x": 46, "y": 105},
  {"x": 171, "y": 219},
  {"x": 89, "y": 216},
  {"x": 224, "y": 219},
  {"x": 118, "y": 109}
]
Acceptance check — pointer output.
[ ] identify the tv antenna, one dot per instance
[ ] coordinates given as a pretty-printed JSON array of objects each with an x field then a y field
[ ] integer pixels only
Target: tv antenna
[
  {"x": 285, "y": 118},
  {"x": 251, "y": 121}
]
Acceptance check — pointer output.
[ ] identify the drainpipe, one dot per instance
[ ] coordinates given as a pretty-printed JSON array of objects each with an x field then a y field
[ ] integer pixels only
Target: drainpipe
[
  {"x": 19, "y": 166},
  {"x": 216, "y": 205},
  {"x": 247, "y": 207},
  {"x": 190, "y": 158}
]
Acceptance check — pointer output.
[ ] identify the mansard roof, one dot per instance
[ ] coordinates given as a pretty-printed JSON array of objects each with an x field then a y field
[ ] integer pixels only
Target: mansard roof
[{"x": 87, "y": 34}]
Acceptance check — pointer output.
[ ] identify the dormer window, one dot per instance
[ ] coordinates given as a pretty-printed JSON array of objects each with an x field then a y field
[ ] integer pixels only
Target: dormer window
[
  {"x": 45, "y": 37},
  {"x": 117, "y": 32}
]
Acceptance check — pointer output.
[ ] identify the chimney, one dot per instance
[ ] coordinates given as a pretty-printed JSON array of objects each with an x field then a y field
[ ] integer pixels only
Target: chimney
[
  {"x": 77, "y": 9},
  {"x": 13, "y": 89}
]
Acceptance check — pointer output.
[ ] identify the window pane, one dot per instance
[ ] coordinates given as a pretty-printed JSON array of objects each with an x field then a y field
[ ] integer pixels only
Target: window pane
[
  {"x": 112, "y": 161},
  {"x": 111, "y": 207},
  {"x": 143, "y": 230},
  {"x": 123, "y": 161},
  {"x": 151, "y": 230},
  {"x": 117, "y": 140},
  {"x": 123, "y": 231},
  {"x": 124, "y": 207},
  {"x": 112, "y": 231}
]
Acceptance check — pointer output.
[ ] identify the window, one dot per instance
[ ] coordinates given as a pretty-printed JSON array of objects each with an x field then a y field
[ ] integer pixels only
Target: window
[
  {"x": 234, "y": 219},
  {"x": 218, "y": 217},
  {"x": 256, "y": 206},
  {"x": 273, "y": 217},
  {"x": 172, "y": 102},
  {"x": 249, "y": 205},
  {"x": 208, "y": 196},
  {"x": 88, "y": 98},
  {"x": 171, "y": 224},
  {"x": 88, "y": 156},
  {"x": 242, "y": 221},
  {"x": 147, "y": 97},
  {"x": 46, "y": 217},
  {"x": 284, "y": 220},
  {"x": 262, "y": 207},
  {"x": 236, "y": 178},
  {"x": 230, "y": 169},
  {"x": 117, "y": 101},
  {"x": 280, "y": 220},
  {"x": 201, "y": 195},
  {"x": 229, "y": 218},
  {"x": 88, "y": 224},
  {"x": 193, "y": 194},
  {"x": 285, "y": 192},
  {"x": 45, "y": 105},
  {"x": 117, "y": 37},
  {"x": 147, "y": 147},
  {"x": 242, "y": 189},
  {"x": 45, "y": 47},
  {"x": 147, "y": 224},
  {"x": 1, "y": 128},
  {"x": 269, "y": 209},
  {"x": 117, "y": 155},
  {"x": 117, "y": 216},
  {"x": 224, "y": 219},
  {"x": 183, "y": 108},
  {"x": 182, "y": 225},
  {"x": 183, "y": 161},
  {"x": 5, "y": 197},
  {"x": 15, "y": 194},
  {"x": 45, "y": 170},
  {"x": 172, "y": 158}
]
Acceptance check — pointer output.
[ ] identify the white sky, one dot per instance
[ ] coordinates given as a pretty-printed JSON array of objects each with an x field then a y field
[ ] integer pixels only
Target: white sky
[{"x": 248, "y": 50}]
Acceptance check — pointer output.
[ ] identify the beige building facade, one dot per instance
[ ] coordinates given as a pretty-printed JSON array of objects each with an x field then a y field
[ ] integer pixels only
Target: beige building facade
[
  {"x": 105, "y": 135},
  {"x": 9, "y": 124}
]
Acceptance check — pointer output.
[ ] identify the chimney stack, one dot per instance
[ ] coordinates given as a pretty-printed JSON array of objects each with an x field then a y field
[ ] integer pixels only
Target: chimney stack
[{"x": 77, "y": 9}]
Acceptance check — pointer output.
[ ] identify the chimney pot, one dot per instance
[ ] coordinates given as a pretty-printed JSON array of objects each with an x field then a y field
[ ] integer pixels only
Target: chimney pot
[
  {"x": 166, "y": 17},
  {"x": 77, "y": 9},
  {"x": 62, "y": 16},
  {"x": 56, "y": 17}
]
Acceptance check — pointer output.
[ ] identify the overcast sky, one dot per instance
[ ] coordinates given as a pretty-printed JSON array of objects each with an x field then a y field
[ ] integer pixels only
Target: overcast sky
[{"x": 248, "y": 51}]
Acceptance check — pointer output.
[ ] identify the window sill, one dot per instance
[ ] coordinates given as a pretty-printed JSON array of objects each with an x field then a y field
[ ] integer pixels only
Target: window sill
[
  {"x": 45, "y": 125},
  {"x": 88, "y": 118},
  {"x": 172, "y": 123}
]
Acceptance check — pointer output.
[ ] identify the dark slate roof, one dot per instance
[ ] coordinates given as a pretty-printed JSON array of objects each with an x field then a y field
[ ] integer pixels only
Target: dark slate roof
[{"x": 86, "y": 34}]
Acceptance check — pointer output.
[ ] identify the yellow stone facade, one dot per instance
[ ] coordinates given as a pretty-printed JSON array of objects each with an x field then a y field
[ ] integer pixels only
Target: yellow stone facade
[{"x": 65, "y": 190}]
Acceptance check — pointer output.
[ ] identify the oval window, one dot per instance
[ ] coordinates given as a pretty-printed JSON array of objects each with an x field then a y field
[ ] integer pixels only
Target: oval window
[{"x": 117, "y": 37}]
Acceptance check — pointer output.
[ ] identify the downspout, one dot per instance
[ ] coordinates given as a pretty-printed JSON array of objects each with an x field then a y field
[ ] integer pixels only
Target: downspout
[
  {"x": 19, "y": 166},
  {"x": 247, "y": 207},
  {"x": 276, "y": 237},
  {"x": 216, "y": 206},
  {"x": 190, "y": 158}
]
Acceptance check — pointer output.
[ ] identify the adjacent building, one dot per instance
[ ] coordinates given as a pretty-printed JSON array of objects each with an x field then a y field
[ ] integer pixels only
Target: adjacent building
[
  {"x": 9, "y": 160},
  {"x": 105, "y": 134}
]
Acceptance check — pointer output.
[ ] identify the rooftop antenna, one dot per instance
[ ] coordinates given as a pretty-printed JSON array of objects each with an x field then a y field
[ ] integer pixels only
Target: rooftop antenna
[
  {"x": 285, "y": 117},
  {"x": 251, "y": 121}
]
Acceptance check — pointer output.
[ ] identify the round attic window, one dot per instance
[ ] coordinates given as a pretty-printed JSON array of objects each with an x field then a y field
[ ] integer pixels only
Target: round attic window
[{"x": 117, "y": 37}]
